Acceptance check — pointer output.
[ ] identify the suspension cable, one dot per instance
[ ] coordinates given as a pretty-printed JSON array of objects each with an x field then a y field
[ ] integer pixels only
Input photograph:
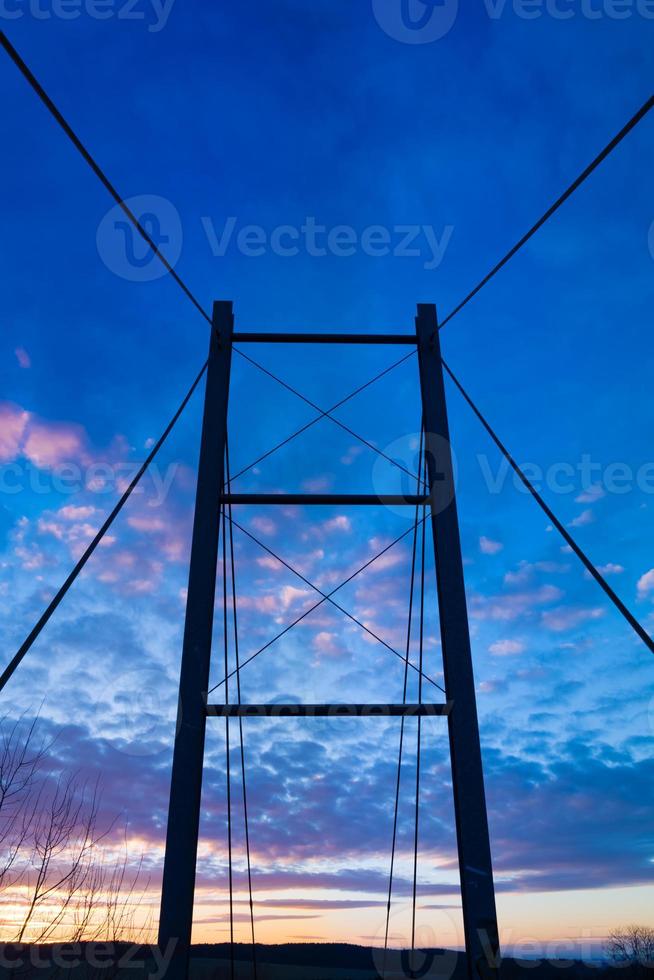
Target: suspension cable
[
  {"x": 37, "y": 629},
  {"x": 240, "y": 718},
  {"x": 570, "y": 541},
  {"x": 54, "y": 111},
  {"x": 227, "y": 757},
  {"x": 419, "y": 746},
  {"x": 323, "y": 414},
  {"x": 95, "y": 167},
  {"x": 642, "y": 112},
  {"x": 304, "y": 615},
  {"x": 402, "y": 724},
  {"x": 315, "y": 588}
]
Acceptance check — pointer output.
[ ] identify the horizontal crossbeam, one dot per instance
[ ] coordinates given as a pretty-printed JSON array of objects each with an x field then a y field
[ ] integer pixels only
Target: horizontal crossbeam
[
  {"x": 327, "y": 710},
  {"x": 260, "y": 337},
  {"x": 326, "y": 499}
]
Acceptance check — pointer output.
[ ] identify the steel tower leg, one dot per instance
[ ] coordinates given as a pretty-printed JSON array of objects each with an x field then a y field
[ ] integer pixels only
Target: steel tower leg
[
  {"x": 186, "y": 780},
  {"x": 477, "y": 890}
]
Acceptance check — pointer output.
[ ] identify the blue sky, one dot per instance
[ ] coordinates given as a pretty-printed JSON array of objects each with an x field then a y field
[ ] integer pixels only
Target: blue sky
[{"x": 270, "y": 115}]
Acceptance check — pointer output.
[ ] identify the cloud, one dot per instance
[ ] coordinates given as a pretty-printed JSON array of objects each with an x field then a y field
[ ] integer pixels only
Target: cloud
[
  {"x": 13, "y": 421},
  {"x": 506, "y": 648},
  {"x": 526, "y": 570},
  {"x": 562, "y": 619},
  {"x": 489, "y": 547},
  {"x": 591, "y": 494},
  {"x": 326, "y": 644},
  {"x": 270, "y": 563},
  {"x": 318, "y": 484},
  {"x": 264, "y": 525},
  {"x": 74, "y": 513},
  {"x": 512, "y": 605},
  {"x": 586, "y": 517},
  {"x": 147, "y": 523},
  {"x": 290, "y": 595},
  {"x": 646, "y": 583},
  {"x": 23, "y": 357},
  {"x": 351, "y": 455},
  {"x": 339, "y": 523},
  {"x": 610, "y": 569},
  {"x": 51, "y": 443}
]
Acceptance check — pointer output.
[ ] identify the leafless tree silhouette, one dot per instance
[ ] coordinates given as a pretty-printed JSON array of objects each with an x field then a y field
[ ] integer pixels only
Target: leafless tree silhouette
[
  {"x": 56, "y": 864},
  {"x": 632, "y": 946}
]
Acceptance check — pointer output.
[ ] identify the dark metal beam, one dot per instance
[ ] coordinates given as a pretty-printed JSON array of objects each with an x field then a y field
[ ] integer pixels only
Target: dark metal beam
[
  {"x": 324, "y": 499},
  {"x": 477, "y": 890},
  {"x": 260, "y": 337},
  {"x": 326, "y": 710},
  {"x": 188, "y": 756}
]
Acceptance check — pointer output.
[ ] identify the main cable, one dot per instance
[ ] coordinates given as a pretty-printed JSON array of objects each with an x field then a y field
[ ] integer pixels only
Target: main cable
[
  {"x": 635, "y": 119},
  {"x": 95, "y": 167},
  {"x": 37, "y": 629},
  {"x": 570, "y": 541}
]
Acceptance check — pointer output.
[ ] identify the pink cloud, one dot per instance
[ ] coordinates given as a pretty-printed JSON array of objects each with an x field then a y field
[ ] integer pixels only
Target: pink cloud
[
  {"x": 561, "y": 619},
  {"x": 13, "y": 421},
  {"x": 147, "y": 523},
  {"x": 267, "y": 604},
  {"x": 267, "y": 561},
  {"x": 591, "y": 494},
  {"x": 506, "y": 648},
  {"x": 646, "y": 583},
  {"x": 489, "y": 547},
  {"x": 586, "y": 517},
  {"x": 339, "y": 523},
  {"x": 51, "y": 527},
  {"x": 289, "y": 595},
  {"x": 72, "y": 513},
  {"x": 512, "y": 606},
  {"x": 50, "y": 443},
  {"x": 265, "y": 525},
  {"x": 325, "y": 643},
  {"x": 23, "y": 357},
  {"x": 318, "y": 484}
]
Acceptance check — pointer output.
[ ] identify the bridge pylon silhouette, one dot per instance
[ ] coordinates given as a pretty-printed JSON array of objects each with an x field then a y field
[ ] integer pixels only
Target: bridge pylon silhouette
[{"x": 475, "y": 865}]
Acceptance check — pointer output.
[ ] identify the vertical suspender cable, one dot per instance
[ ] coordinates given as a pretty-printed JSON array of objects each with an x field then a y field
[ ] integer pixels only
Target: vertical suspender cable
[
  {"x": 240, "y": 723},
  {"x": 419, "y": 746},
  {"x": 227, "y": 756},
  {"x": 404, "y": 696}
]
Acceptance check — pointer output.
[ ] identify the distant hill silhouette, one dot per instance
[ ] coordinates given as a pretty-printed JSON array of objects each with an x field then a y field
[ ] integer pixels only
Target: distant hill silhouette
[{"x": 287, "y": 961}]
